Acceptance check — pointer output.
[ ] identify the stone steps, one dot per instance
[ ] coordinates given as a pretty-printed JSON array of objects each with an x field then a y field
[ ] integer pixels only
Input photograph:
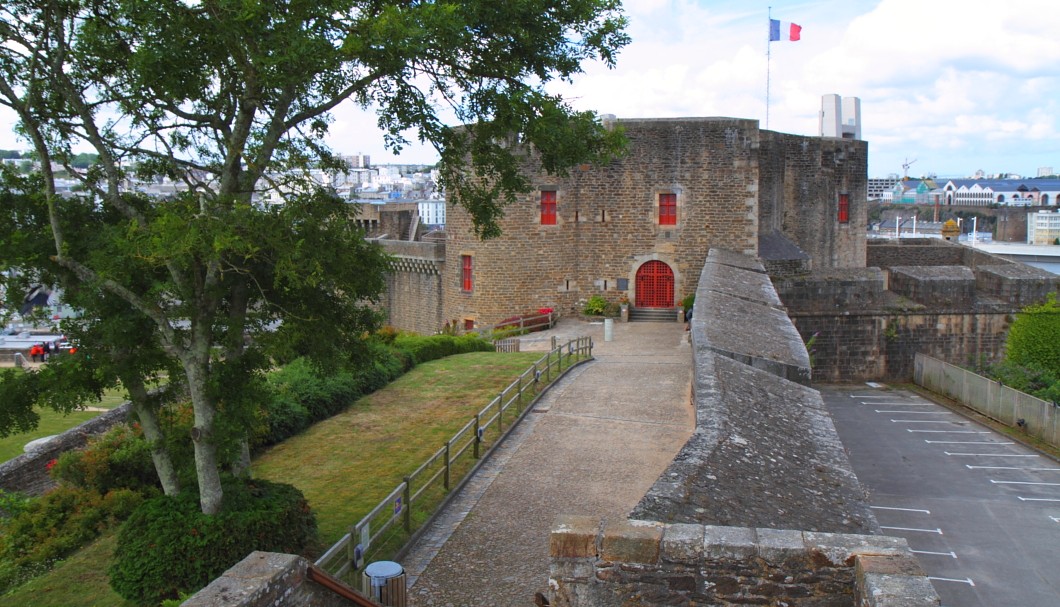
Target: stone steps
[{"x": 653, "y": 314}]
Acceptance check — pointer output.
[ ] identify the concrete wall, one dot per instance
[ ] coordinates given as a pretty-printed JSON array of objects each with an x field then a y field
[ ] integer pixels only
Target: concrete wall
[
  {"x": 650, "y": 564},
  {"x": 28, "y": 472}
]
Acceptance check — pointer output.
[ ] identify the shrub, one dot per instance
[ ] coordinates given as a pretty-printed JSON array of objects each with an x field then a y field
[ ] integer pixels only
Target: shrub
[
  {"x": 118, "y": 459},
  {"x": 168, "y": 546},
  {"x": 596, "y": 306},
  {"x": 1034, "y": 338},
  {"x": 55, "y": 525},
  {"x": 420, "y": 348}
]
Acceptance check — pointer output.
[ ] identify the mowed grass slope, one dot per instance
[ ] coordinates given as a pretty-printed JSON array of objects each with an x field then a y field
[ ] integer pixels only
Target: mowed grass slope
[{"x": 345, "y": 465}]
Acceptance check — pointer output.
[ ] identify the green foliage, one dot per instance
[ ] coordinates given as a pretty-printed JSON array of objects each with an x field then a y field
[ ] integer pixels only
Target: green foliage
[
  {"x": 118, "y": 459},
  {"x": 423, "y": 348},
  {"x": 168, "y": 546},
  {"x": 12, "y": 503},
  {"x": 55, "y": 525},
  {"x": 596, "y": 306},
  {"x": 1034, "y": 337},
  {"x": 688, "y": 301}
]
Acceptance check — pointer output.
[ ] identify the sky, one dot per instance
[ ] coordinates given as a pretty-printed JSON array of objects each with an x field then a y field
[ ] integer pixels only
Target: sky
[{"x": 948, "y": 87}]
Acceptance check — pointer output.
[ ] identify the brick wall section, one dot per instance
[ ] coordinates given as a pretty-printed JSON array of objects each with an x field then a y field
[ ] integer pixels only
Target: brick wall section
[
  {"x": 801, "y": 180},
  {"x": 880, "y": 346},
  {"x": 596, "y": 564},
  {"x": 413, "y": 298},
  {"x": 28, "y": 472},
  {"x": 266, "y": 579},
  {"x": 950, "y": 287},
  {"x": 607, "y": 224},
  {"x": 927, "y": 252},
  {"x": 1015, "y": 283},
  {"x": 832, "y": 291}
]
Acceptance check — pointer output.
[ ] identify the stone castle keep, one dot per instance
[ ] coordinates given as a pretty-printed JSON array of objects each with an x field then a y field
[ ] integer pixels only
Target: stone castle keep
[{"x": 642, "y": 225}]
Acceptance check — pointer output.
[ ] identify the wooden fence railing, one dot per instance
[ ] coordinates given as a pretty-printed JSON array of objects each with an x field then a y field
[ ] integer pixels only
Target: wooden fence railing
[
  {"x": 518, "y": 326},
  {"x": 408, "y": 506}
]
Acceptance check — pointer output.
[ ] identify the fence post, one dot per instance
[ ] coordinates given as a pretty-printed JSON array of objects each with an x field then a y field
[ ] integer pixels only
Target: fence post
[
  {"x": 500, "y": 415},
  {"x": 447, "y": 443},
  {"x": 553, "y": 342},
  {"x": 408, "y": 505},
  {"x": 548, "y": 365},
  {"x": 519, "y": 395},
  {"x": 478, "y": 434}
]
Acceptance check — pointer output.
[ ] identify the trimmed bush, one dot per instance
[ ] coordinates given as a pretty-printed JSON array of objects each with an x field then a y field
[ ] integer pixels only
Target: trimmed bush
[
  {"x": 118, "y": 459},
  {"x": 421, "y": 349},
  {"x": 169, "y": 546}
]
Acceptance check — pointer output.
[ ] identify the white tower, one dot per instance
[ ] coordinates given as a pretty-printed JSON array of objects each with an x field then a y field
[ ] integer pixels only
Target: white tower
[{"x": 840, "y": 117}]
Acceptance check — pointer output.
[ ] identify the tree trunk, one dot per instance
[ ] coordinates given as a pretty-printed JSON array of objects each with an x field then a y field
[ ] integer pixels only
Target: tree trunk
[
  {"x": 148, "y": 416},
  {"x": 202, "y": 434}
]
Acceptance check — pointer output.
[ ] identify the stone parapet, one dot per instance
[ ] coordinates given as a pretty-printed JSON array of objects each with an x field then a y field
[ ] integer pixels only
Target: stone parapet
[
  {"x": 603, "y": 564},
  {"x": 267, "y": 579},
  {"x": 28, "y": 473}
]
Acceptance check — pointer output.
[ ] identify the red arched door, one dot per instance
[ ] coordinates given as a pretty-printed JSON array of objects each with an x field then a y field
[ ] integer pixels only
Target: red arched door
[{"x": 655, "y": 286}]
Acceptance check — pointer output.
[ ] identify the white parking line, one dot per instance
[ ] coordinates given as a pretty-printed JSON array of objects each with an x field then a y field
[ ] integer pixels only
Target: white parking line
[
  {"x": 950, "y": 431},
  {"x": 964, "y": 442},
  {"x": 1037, "y": 499},
  {"x": 946, "y": 579},
  {"x": 916, "y": 412},
  {"x": 1023, "y": 483},
  {"x": 922, "y": 421},
  {"x": 1056, "y": 519},
  {"x": 938, "y": 531},
  {"x": 971, "y": 467},
  {"x": 902, "y": 509},
  {"x": 951, "y": 554},
  {"x": 989, "y": 454},
  {"x": 898, "y": 404},
  {"x": 871, "y": 396}
]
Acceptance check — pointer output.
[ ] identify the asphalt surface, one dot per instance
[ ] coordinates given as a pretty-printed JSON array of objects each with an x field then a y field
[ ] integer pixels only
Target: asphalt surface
[{"x": 981, "y": 511}]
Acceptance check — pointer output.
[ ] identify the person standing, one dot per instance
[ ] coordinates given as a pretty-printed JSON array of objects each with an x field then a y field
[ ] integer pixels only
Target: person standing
[
  {"x": 47, "y": 352},
  {"x": 34, "y": 351}
]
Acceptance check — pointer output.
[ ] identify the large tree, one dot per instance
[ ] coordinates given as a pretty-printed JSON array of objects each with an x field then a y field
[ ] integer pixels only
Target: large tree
[{"x": 233, "y": 97}]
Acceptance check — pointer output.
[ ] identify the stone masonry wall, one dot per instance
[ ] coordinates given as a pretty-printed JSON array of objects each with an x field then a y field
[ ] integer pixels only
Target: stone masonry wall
[
  {"x": 413, "y": 299},
  {"x": 607, "y": 221},
  {"x": 801, "y": 181},
  {"x": 880, "y": 346},
  {"x": 28, "y": 472},
  {"x": 266, "y": 579},
  {"x": 654, "y": 565}
]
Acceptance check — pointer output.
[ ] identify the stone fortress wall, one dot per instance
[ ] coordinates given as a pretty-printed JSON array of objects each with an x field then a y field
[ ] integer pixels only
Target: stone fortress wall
[{"x": 761, "y": 505}]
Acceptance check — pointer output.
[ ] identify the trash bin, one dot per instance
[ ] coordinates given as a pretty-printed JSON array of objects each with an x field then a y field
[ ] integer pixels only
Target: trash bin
[
  {"x": 609, "y": 328},
  {"x": 384, "y": 582}
]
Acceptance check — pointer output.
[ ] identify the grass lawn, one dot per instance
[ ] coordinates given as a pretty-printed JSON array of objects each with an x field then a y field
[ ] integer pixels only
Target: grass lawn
[
  {"x": 79, "y": 581},
  {"x": 56, "y": 423},
  {"x": 345, "y": 465}
]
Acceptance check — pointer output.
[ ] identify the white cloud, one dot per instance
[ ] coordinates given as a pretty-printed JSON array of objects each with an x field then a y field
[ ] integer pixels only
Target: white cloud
[{"x": 958, "y": 84}]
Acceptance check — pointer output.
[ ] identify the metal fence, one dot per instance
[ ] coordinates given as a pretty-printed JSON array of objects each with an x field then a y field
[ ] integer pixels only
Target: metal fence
[
  {"x": 408, "y": 507},
  {"x": 1035, "y": 416}
]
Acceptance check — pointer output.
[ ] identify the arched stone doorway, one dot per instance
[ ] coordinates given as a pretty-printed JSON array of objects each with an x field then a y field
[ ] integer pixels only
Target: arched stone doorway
[{"x": 655, "y": 286}]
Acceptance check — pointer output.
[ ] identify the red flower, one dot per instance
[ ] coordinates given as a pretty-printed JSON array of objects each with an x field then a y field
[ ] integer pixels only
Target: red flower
[{"x": 51, "y": 464}]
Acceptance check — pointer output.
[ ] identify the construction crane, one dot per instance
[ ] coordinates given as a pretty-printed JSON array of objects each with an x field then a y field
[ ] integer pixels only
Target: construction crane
[{"x": 905, "y": 167}]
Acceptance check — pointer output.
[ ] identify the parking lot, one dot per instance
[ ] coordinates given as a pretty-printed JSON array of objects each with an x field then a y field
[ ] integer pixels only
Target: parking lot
[{"x": 980, "y": 510}]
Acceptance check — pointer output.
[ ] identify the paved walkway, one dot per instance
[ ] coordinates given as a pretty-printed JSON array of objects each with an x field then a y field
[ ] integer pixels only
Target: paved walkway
[{"x": 593, "y": 445}]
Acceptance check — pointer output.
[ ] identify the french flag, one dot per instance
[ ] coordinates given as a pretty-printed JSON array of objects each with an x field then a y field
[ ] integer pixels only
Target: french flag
[{"x": 782, "y": 30}]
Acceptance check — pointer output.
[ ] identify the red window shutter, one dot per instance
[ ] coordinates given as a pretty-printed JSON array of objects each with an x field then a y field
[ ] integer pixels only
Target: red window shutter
[
  {"x": 469, "y": 324},
  {"x": 844, "y": 208},
  {"x": 667, "y": 209},
  {"x": 548, "y": 207},
  {"x": 466, "y": 273}
]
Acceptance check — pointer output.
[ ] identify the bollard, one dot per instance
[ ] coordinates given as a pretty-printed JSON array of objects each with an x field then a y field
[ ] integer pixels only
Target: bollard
[{"x": 609, "y": 329}]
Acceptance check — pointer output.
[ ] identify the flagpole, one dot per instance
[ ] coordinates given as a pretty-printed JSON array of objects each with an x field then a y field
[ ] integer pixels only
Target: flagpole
[{"x": 769, "y": 42}]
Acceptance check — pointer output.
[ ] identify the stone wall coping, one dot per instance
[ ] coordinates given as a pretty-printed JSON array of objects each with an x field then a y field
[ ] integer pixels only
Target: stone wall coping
[{"x": 648, "y": 542}]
